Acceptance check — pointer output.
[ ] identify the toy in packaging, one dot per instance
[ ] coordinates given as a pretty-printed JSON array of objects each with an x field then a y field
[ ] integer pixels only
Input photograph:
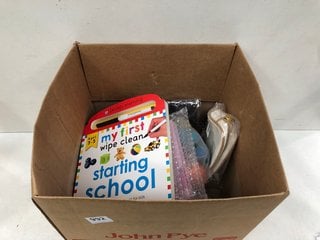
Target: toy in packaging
[
  {"x": 222, "y": 133},
  {"x": 189, "y": 175},
  {"x": 202, "y": 151},
  {"x": 125, "y": 152},
  {"x": 190, "y": 107}
]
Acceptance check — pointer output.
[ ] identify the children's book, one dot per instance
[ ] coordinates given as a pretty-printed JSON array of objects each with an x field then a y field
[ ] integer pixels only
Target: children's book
[{"x": 125, "y": 152}]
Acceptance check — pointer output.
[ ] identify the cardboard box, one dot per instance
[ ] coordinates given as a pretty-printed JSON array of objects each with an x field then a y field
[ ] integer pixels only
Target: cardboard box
[{"x": 95, "y": 75}]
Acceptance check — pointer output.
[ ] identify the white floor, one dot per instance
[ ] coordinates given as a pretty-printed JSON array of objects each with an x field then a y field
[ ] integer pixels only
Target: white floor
[{"x": 298, "y": 217}]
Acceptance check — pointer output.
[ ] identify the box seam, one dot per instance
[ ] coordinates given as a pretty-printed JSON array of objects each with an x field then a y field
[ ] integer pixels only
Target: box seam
[
  {"x": 274, "y": 206},
  {"x": 238, "y": 48},
  {"x": 34, "y": 166},
  {"x": 225, "y": 84},
  {"x": 229, "y": 69},
  {"x": 34, "y": 190},
  {"x": 82, "y": 67},
  {"x": 283, "y": 193},
  {"x": 47, "y": 217}
]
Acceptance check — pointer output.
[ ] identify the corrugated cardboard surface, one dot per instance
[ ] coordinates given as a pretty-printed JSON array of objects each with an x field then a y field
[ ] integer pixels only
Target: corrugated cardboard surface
[
  {"x": 215, "y": 218},
  {"x": 172, "y": 71},
  {"x": 60, "y": 122},
  {"x": 96, "y": 74},
  {"x": 256, "y": 156}
]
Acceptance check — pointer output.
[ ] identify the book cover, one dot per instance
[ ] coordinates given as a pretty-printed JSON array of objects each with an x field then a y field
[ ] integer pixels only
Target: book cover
[{"x": 125, "y": 152}]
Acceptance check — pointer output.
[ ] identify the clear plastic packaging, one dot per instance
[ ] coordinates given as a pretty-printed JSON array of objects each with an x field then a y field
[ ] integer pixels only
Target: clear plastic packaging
[
  {"x": 189, "y": 175},
  {"x": 193, "y": 109},
  {"x": 182, "y": 184},
  {"x": 192, "y": 106},
  {"x": 202, "y": 151},
  {"x": 222, "y": 133}
]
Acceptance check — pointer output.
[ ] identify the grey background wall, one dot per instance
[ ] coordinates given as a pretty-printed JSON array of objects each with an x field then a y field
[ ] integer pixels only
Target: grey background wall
[{"x": 281, "y": 40}]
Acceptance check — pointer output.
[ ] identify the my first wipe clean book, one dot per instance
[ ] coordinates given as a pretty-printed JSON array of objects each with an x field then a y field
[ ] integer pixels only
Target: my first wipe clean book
[{"x": 125, "y": 152}]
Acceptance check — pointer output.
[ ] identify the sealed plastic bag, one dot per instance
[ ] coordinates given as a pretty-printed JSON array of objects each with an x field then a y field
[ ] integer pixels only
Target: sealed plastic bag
[
  {"x": 189, "y": 175},
  {"x": 193, "y": 109},
  {"x": 221, "y": 136}
]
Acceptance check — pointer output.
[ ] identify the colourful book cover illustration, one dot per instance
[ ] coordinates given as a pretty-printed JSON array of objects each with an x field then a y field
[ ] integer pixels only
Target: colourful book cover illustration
[{"x": 125, "y": 152}]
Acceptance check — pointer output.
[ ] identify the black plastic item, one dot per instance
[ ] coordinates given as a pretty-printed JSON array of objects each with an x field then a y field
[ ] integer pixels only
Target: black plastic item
[
  {"x": 213, "y": 188},
  {"x": 192, "y": 106}
]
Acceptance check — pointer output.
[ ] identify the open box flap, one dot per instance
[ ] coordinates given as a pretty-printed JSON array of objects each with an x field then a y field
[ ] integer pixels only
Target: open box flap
[
  {"x": 59, "y": 124},
  {"x": 256, "y": 155},
  {"x": 173, "y": 71}
]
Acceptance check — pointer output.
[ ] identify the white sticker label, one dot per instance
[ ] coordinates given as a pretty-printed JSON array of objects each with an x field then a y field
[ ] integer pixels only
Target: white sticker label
[{"x": 99, "y": 219}]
